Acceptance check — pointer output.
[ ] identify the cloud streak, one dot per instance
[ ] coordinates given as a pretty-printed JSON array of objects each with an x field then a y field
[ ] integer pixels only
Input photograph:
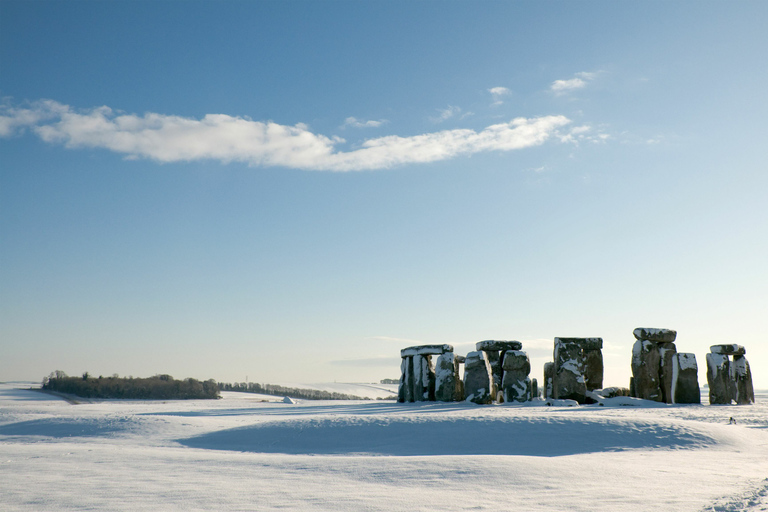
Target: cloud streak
[
  {"x": 578, "y": 82},
  {"x": 497, "y": 93},
  {"x": 168, "y": 138}
]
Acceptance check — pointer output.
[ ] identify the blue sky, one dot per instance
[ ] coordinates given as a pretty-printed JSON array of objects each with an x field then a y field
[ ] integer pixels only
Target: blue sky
[{"x": 293, "y": 191}]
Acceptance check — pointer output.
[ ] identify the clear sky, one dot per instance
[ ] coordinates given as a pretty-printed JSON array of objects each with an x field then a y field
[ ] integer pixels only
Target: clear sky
[{"x": 294, "y": 191}]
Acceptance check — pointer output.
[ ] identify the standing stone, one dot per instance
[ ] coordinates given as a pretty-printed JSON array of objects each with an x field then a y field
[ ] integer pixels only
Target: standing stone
[
  {"x": 593, "y": 363},
  {"x": 408, "y": 380},
  {"x": 568, "y": 376},
  {"x": 685, "y": 382},
  {"x": 447, "y": 380},
  {"x": 478, "y": 379},
  {"x": 742, "y": 375},
  {"x": 401, "y": 387},
  {"x": 424, "y": 379},
  {"x": 534, "y": 388},
  {"x": 495, "y": 350},
  {"x": 632, "y": 387},
  {"x": 719, "y": 379},
  {"x": 516, "y": 383},
  {"x": 645, "y": 370},
  {"x": 496, "y": 370},
  {"x": 549, "y": 373},
  {"x": 667, "y": 351}
]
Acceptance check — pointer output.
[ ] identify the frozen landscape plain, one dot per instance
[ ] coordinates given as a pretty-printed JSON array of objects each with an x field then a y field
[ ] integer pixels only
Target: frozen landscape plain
[{"x": 242, "y": 453}]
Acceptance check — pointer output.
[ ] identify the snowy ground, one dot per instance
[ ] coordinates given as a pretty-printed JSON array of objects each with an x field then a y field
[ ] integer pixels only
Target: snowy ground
[{"x": 240, "y": 453}]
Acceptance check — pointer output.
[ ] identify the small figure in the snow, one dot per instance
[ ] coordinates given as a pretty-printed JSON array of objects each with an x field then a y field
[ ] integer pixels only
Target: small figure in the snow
[{"x": 731, "y": 421}]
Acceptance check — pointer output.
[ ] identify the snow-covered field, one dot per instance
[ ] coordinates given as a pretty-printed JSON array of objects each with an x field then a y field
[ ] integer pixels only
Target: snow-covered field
[{"x": 240, "y": 453}]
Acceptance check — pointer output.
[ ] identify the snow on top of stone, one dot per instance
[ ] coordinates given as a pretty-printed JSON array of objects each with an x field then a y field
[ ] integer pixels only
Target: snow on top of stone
[
  {"x": 498, "y": 345},
  {"x": 687, "y": 361},
  {"x": 728, "y": 349},
  {"x": 426, "y": 350},
  {"x": 654, "y": 334}
]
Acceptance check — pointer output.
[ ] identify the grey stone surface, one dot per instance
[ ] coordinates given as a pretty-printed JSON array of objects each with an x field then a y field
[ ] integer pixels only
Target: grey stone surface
[
  {"x": 568, "y": 375},
  {"x": 424, "y": 379},
  {"x": 730, "y": 349},
  {"x": 426, "y": 350},
  {"x": 653, "y": 334},
  {"x": 646, "y": 362},
  {"x": 685, "y": 389},
  {"x": 408, "y": 380},
  {"x": 447, "y": 381},
  {"x": 667, "y": 351},
  {"x": 549, "y": 372},
  {"x": 613, "y": 392},
  {"x": 534, "y": 388},
  {"x": 516, "y": 383},
  {"x": 498, "y": 345},
  {"x": 494, "y": 359},
  {"x": 401, "y": 386},
  {"x": 478, "y": 379},
  {"x": 719, "y": 379},
  {"x": 742, "y": 375},
  {"x": 593, "y": 368}
]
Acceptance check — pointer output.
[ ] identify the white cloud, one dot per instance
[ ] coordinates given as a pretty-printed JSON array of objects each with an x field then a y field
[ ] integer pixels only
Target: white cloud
[
  {"x": 356, "y": 123},
  {"x": 446, "y": 113},
  {"x": 225, "y": 138},
  {"x": 578, "y": 82},
  {"x": 497, "y": 93}
]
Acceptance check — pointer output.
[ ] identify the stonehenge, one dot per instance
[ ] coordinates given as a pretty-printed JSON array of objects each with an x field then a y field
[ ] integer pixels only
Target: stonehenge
[
  {"x": 499, "y": 371},
  {"x": 659, "y": 372},
  {"x": 729, "y": 379}
]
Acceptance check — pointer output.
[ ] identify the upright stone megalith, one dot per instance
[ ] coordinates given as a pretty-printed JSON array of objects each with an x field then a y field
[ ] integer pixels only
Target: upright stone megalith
[
  {"x": 549, "y": 373},
  {"x": 448, "y": 386},
  {"x": 593, "y": 363},
  {"x": 516, "y": 383},
  {"x": 652, "y": 363},
  {"x": 742, "y": 375},
  {"x": 685, "y": 381},
  {"x": 568, "y": 375},
  {"x": 718, "y": 377},
  {"x": 478, "y": 378}
]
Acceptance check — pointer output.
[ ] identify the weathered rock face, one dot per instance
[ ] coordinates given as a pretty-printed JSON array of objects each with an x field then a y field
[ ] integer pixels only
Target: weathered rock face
[
  {"x": 742, "y": 375},
  {"x": 478, "y": 379},
  {"x": 593, "y": 367},
  {"x": 568, "y": 375},
  {"x": 730, "y": 349},
  {"x": 516, "y": 384},
  {"x": 645, "y": 370},
  {"x": 614, "y": 392},
  {"x": 685, "y": 389},
  {"x": 498, "y": 345},
  {"x": 653, "y": 334},
  {"x": 667, "y": 351},
  {"x": 424, "y": 379},
  {"x": 426, "y": 350},
  {"x": 494, "y": 360},
  {"x": 417, "y": 375},
  {"x": 718, "y": 379},
  {"x": 549, "y": 373},
  {"x": 447, "y": 381}
]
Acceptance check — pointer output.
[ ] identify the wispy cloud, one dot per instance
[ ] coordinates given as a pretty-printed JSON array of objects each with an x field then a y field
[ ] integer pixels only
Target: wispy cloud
[
  {"x": 373, "y": 362},
  {"x": 583, "y": 133},
  {"x": 443, "y": 114},
  {"x": 357, "y": 123},
  {"x": 390, "y": 339},
  {"x": 577, "y": 82},
  {"x": 497, "y": 93},
  {"x": 166, "y": 138}
]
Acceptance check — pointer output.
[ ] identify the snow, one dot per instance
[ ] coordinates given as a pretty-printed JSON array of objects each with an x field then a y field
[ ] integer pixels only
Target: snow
[{"x": 240, "y": 453}]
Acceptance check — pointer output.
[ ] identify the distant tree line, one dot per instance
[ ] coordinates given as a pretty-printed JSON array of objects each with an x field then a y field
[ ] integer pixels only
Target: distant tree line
[
  {"x": 157, "y": 387},
  {"x": 275, "y": 390}
]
